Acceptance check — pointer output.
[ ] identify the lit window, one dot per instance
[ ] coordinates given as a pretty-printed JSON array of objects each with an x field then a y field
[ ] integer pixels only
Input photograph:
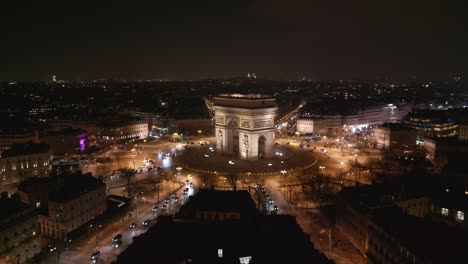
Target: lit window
[
  {"x": 245, "y": 260},
  {"x": 460, "y": 216},
  {"x": 220, "y": 253},
  {"x": 444, "y": 211}
]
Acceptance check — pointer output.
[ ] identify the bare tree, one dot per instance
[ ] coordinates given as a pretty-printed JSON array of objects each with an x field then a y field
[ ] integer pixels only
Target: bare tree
[
  {"x": 289, "y": 181},
  {"x": 208, "y": 181},
  {"x": 232, "y": 179},
  {"x": 320, "y": 188}
]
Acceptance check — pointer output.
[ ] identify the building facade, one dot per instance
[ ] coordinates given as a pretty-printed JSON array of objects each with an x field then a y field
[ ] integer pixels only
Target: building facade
[
  {"x": 305, "y": 126},
  {"x": 432, "y": 124},
  {"x": 66, "y": 141},
  {"x": 22, "y": 161},
  {"x": 244, "y": 125},
  {"x": 362, "y": 119},
  {"x": 394, "y": 136},
  {"x": 463, "y": 131},
  {"x": 121, "y": 131},
  {"x": 20, "y": 232},
  {"x": 70, "y": 201},
  {"x": 9, "y": 138},
  {"x": 438, "y": 151}
]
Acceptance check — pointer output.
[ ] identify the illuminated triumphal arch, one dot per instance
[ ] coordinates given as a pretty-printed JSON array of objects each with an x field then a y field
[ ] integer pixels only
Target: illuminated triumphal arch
[{"x": 244, "y": 125}]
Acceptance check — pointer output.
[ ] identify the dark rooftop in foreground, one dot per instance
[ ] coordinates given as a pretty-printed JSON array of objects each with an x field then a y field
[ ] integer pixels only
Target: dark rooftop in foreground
[
  {"x": 62, "y": 188},
  {"x": 25, "y": 149},
  {"x": 12, "y": 208},
  {"x": 187, "y": 239},
  {"x": 219, "y": 201}
]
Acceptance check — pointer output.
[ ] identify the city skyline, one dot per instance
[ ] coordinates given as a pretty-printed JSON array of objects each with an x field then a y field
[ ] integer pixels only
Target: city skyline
[{"x": 276, "y": 40}]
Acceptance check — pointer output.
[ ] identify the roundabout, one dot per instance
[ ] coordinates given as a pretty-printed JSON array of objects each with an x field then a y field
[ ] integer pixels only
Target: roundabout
[{"x": 205, "y": 159}]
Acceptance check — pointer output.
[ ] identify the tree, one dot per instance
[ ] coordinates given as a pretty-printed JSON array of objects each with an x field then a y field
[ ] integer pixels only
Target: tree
[
  {"x": 208, "y": 181},
  {"x": 232, "y": 179},
  {"x": 289, "y": 180},
  {"x": 320, "y": 188}
]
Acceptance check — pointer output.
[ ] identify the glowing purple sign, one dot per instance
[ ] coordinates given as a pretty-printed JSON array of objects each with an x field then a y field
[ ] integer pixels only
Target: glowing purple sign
[{"x": 82, "y": 144}]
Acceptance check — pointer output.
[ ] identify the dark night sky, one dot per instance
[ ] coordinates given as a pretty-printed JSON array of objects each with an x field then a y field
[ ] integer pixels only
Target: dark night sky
[{"x": 276, "y": 39}]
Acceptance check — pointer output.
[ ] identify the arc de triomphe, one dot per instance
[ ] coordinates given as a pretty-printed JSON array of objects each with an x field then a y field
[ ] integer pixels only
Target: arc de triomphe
[{"x": 244, "y": 125}]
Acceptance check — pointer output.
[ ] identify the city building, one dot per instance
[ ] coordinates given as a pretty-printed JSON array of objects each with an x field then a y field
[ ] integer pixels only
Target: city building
[
  {"x": 333, "y": 125},
  {"x": 223, "y": 227},
  {"x": 356, "y": 206},
  {"x": 25, "y": 160},
  {"x": 191, "y": 127},
  {"x": 244, "y": 125},
  {"x": 440, "y": 150},
  {"x": 9, "y": 137},
  {"x": 463, "y": 132},
  {"x": 66, "y": 202},
  {"x": 66, "y": 141},
  {"x": 57, "y": 125},
  {"x": 395, "y": 237},
  {"x": 122, "y": 131},
  {"x": 20, "y": 232},
  {"x": 394, "y": 136},
  {"x": 449, "y": 204},
  {"x": 305, "y": 126},
  {"x": 366, "y": 215},
  {"x": 432, "y": 123}
]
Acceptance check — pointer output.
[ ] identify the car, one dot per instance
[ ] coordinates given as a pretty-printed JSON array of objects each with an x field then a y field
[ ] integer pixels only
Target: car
[
  {"x": 51, "y": 248},
  {"x": 175, "y": 198},
  {"x": 155, "y": 209},
  {"x": 164, "y": 207},
  {"x": 132, "y": 225},
  {"x": 158, "y": 168},
  {"x": 95, "y": 255},
  {"x": 191, "y": 184},
  {"x": 117, "y": 238},
  {"x": 117, "y": 243},
  {"x": 146, "y": 222},
  {"x": 167, "y": 201},
  {"x": 275, "y": 208}
]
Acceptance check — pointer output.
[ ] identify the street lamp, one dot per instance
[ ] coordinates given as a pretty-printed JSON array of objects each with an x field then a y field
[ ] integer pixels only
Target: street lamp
[
  {"x": 284, "y": 172},
  {"x": 178, "y": 170}
]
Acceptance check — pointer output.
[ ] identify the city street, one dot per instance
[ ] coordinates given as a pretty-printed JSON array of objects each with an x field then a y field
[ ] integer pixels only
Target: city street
[
  {"x": 99, "y": 238},
  {"x": 345, "y": 253}
]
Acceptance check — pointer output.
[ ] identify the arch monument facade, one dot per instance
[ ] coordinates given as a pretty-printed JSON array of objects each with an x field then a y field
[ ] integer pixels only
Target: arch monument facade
[{"x": 244, "y": 125}]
